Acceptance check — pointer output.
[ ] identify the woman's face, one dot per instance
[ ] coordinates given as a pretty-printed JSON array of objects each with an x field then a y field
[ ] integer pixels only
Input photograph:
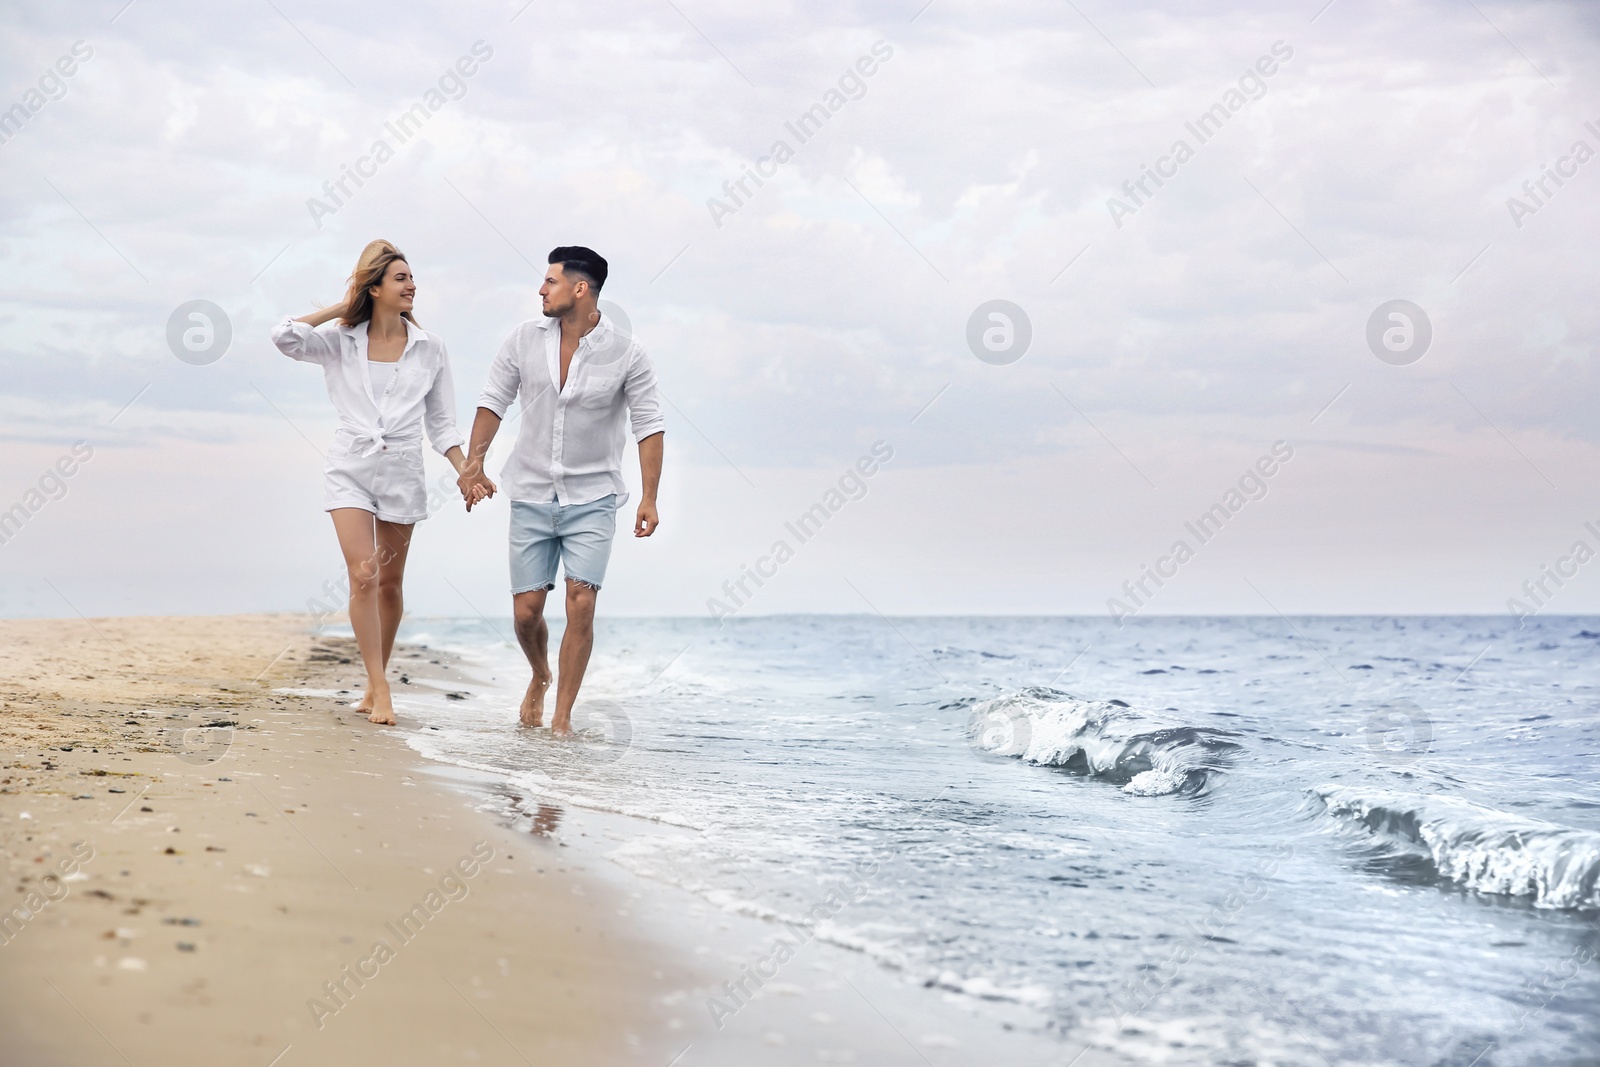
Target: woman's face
[{"x": 398, "y": 289}]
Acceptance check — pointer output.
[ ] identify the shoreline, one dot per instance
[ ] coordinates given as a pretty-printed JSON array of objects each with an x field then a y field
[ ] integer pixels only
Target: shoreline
[
  {"x": 768, "y": 989},
  {"x": 220, "y": 871},
  {"x": 248, "y": 871}
]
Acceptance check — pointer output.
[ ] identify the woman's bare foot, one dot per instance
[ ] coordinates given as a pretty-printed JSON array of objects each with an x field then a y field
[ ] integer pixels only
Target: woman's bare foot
[
  {"x": 533, "y": 702},
  {"x": 382, "y": 710},
  {"x": 364, "y": 705},
  {"x": 561, "y": 725}
]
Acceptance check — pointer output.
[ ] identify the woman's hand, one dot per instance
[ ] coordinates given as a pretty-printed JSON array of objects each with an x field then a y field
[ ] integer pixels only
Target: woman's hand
[
  {"x": 475, "y": 486},
  {"x": 470, "y": 479}
]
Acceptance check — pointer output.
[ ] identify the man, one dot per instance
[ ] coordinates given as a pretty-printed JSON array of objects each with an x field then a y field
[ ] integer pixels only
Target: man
[{"x": 576, "y": 375}]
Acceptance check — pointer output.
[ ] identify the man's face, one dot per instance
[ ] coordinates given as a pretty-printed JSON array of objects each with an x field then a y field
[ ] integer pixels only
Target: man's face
[{"x": 558, "y": 293}]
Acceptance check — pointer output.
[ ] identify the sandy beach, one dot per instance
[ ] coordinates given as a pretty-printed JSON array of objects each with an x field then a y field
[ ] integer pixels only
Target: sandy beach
[{"x": 199, "y": 870}]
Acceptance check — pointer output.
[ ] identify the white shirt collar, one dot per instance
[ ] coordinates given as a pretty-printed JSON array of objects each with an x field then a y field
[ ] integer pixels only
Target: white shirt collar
[
  {"x": 602, "y": 333},
  {"x": 545, "y": 322},
  {"x": 358, "y": 334}
]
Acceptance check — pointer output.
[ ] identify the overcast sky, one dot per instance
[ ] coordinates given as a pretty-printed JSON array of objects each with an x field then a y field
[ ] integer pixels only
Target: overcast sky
[{"x": 1357, "y": 153}]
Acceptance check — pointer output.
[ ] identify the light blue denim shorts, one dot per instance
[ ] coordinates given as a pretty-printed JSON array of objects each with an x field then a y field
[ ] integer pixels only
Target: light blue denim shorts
[{"x": 576, "y": 535}]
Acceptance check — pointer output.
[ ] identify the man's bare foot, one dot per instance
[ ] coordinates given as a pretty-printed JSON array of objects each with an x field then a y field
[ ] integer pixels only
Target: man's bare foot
[{"x": 533, "y": 702}]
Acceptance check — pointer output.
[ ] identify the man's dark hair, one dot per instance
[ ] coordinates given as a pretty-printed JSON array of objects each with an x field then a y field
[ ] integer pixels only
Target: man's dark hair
[{"x": 586, "y": 263}]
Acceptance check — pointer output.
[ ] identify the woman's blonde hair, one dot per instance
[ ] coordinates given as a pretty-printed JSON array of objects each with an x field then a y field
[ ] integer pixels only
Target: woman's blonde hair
[{"x": 368, "y": 275}]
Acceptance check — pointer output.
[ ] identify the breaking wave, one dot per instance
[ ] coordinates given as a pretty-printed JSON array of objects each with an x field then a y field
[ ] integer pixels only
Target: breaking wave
[
  {"x": 1148, "y": 755},
  {"x": 1477, "y": 847}
]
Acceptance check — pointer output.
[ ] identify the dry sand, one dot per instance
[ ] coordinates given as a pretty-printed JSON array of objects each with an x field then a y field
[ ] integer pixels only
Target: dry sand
[{"x": 199, "y": 870}]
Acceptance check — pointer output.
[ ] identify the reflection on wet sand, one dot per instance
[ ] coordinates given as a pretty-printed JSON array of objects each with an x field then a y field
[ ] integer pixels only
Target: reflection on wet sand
[{"x": 545, "y": 820}]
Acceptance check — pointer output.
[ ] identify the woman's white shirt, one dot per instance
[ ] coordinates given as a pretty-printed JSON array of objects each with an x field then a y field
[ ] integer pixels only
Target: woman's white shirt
[{"x": 420, "y": 394}]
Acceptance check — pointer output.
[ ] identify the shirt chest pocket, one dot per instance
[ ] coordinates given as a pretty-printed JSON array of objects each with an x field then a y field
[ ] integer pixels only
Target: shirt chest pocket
[
  {"x": 599, "y": 390},
  {"x": 412, "y": 378}
]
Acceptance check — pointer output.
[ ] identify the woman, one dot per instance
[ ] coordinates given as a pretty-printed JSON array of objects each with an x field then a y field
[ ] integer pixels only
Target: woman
[{"x": 388, "y": 380}]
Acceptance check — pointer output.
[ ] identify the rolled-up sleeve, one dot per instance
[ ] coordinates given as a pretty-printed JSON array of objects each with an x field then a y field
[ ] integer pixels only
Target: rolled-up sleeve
[
  {"x": 299, "y": 340},
  {"x": 644, "y": 399},
  {"x": 439, "y": 408},
  {"x": 505, "y": 379}
]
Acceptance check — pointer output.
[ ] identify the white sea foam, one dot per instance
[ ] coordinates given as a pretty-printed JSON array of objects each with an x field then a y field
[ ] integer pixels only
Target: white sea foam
[
  {"x": 662, "y": 860},
  {"x": 546, "y": 788},
  {"x": 1477, "y": 847},
  {"x": 986, "y": 989},
  {"x": 1212, "y": 1039},
  {"x": 1149, "y": 755}
]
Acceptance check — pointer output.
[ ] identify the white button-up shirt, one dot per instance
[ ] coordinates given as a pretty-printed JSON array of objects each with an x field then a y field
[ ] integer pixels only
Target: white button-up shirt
[
  {"x": 569, "y": 447},
  {"x": 421, "y": 392}
]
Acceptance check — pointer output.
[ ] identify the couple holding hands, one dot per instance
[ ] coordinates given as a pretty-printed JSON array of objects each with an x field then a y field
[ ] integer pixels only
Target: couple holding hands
[{"x": 578, "y": 379}]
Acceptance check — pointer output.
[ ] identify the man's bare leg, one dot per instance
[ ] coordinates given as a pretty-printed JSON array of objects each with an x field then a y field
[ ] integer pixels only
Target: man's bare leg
[
  {"x": 576, "y": 644},
  {"x": 358, "y": 542},
  {"x": 533, "y": 635}
]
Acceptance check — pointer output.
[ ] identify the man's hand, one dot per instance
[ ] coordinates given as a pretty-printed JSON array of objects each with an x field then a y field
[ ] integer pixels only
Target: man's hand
[
  {"x": 646, "y": 522},
  {"x": 473, "y": 483},
  {"x": 650, "y": 450},
  {"x": 475, "y": 486}
]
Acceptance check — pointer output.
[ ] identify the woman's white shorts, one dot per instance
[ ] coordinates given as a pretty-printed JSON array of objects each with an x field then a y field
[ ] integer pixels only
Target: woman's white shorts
[{"x": 389, "y": 483}]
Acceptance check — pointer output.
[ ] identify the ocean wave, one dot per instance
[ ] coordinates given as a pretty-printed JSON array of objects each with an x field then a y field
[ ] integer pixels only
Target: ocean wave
[
  {"x": 1477, "y": 847},
  {"x": 1149, "y": 755}
]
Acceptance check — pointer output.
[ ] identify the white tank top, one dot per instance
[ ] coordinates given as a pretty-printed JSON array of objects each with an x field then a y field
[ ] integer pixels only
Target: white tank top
[{"x": 382, "y": 377}]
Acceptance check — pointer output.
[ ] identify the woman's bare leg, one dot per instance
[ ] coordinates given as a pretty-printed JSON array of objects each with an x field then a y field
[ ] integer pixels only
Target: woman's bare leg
[
  {"x": 358, "y": 542},
  {"x": 394, "y": 542}
]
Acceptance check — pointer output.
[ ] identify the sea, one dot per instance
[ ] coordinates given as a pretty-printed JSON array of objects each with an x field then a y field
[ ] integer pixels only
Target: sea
[{"x": 1182, "y": 841}]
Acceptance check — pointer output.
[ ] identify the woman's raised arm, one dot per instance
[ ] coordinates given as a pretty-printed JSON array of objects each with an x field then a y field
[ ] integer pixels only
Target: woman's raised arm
[
  {"x": 299, "y": 339},
  {"x": 317, "y": 318}
]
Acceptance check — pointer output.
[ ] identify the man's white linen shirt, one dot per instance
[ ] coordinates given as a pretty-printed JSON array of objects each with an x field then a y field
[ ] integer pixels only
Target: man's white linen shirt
[
  {"x": 569, "y": 446},
  {"x": 421, "y": 392}
]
